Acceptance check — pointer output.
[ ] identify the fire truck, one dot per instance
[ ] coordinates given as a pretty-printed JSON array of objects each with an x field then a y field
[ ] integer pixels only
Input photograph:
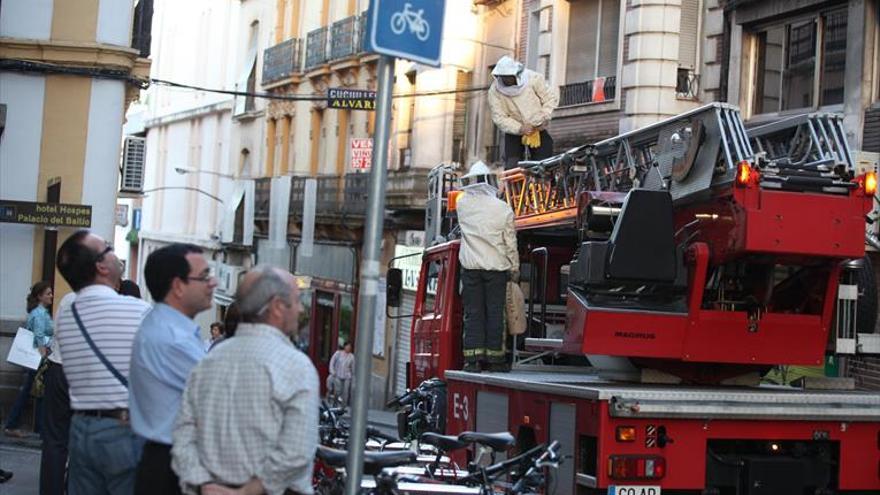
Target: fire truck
[{"x": 666, "y": 270}]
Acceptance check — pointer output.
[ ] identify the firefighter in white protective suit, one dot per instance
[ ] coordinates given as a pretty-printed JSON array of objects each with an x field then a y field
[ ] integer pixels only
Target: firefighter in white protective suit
[
  {"x": 489, "y": 258},
  {"x": 522, "y": 103}
]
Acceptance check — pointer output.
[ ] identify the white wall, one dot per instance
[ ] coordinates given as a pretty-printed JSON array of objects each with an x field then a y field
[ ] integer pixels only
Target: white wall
[
  {"x": 28, "y": 19},
  {"x": 114, "y": 22},
  {"x": 101, "y": 171},
  {"x": 19, "y": 173}
]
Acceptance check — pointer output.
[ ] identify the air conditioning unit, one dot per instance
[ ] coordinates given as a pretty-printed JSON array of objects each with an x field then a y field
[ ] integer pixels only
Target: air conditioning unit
[
  {"x": 227, "y": 278},
  {"x": 133, "y": 165}
]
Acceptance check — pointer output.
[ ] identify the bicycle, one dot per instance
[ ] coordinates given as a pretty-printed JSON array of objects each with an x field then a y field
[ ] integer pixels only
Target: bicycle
[
  {"x": 421, "y": 409},
  {"x": 412, "y": 18}
]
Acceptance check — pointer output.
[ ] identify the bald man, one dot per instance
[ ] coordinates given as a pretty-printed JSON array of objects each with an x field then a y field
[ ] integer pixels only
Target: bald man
[{"x": 249, "y": 418}]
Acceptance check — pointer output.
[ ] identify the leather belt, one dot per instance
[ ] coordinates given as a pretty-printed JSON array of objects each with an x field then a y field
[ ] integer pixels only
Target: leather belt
[{"x": 120, "y": 414}]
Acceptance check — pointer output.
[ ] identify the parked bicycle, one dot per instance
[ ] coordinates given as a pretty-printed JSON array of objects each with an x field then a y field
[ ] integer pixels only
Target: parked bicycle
[
  {"x": 421, "y": 409},
  {"x": 401, "y": 472}
]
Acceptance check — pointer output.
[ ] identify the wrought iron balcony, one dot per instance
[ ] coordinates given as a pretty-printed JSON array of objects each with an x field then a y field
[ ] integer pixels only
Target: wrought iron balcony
[
  {"x": 407, "y": 189},
  {"x": 355, "y": 196},
  {"x": 282, "y": 60},
  {"x": 344, "y": 38},
  {"x": 588, "y": 92},
  {"x": 316, "y": 48}
]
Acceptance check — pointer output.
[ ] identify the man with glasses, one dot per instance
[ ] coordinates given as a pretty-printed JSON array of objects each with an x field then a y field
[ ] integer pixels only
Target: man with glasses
[
  {"x": 95, "y": 335},
  {"x": 249, "y": 418},
  {"x": 167, "y": 347}
]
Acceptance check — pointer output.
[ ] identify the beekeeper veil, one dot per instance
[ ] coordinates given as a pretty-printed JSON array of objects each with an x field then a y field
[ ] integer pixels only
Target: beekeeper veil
[
  {"x": 506, "y": 66},
  {"x": 480, "y": 180}
]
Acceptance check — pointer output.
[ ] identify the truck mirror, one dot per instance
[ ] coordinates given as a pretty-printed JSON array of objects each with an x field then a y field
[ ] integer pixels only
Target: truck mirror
[{"x": 394, "y": 286}]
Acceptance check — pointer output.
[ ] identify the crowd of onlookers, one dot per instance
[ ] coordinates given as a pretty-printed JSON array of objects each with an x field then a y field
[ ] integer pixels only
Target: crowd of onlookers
[{"x": 133, "y": 400}]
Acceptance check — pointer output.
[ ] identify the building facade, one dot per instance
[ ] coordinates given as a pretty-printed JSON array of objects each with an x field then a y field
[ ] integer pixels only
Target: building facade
[
  {"x": 61, "y": 129},
  {"x": 203, "y": 148},
  {"x": 319, "y": 46}
]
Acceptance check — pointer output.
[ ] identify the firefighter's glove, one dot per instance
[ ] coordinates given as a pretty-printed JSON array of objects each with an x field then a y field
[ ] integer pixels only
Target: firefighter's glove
[{"x": 532, "y": 140}]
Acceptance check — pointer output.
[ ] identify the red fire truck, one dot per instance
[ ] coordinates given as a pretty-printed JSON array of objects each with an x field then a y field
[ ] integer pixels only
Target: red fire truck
[{"x": 666, "y": 271}]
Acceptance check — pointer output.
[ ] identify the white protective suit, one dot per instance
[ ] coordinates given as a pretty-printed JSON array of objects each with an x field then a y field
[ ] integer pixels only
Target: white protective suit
[
  {"x": 488, "y": 240},
  {"x": 530, "y": 102}
]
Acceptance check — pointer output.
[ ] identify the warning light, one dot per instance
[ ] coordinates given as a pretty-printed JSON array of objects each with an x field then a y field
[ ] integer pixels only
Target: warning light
[
  {"x": 743, "y": 173},
  {"x": 871, "y": 183},
  {"x": 451, "y": 200},
  {"x": 626, "y": 434}
]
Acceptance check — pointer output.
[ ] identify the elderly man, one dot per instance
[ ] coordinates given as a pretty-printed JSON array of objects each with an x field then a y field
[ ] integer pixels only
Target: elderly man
[
  {"x": 249, "y": 419},
  {"x": 521, "y": 102},
  {"x": 166, "y": 348},
  {"x": 488, "y": 257}
]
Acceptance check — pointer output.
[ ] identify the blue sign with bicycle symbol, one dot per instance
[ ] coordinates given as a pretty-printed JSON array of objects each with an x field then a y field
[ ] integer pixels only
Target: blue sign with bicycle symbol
[{"x": 410, "y": 29}]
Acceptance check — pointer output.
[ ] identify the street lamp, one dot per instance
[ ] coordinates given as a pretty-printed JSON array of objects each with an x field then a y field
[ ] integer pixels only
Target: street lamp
[
  {"x": 186, "y": 188},
  {"x": 183, "y": 171}
]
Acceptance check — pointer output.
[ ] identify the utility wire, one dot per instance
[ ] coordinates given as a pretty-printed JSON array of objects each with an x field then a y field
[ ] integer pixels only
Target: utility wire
[{"x": 121, "y": 75}]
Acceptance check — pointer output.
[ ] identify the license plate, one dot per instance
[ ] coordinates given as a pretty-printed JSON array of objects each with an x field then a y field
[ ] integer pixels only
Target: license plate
[{"x": 633, "y": 490}]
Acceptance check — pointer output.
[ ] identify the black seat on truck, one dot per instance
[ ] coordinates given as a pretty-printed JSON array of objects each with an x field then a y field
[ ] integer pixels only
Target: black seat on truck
[
  {"x": 495, "y": 441},
  {"x": 641, "y": 248}
]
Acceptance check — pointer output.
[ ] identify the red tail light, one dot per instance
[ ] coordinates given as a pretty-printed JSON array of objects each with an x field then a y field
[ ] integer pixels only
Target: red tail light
[
  {"x": 634, "y": 467},
  {"x": 870, "y": 183},
  {"x": 744, "y": 173}
]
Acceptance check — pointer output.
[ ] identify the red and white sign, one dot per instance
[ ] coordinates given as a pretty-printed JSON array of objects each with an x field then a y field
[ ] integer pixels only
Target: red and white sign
[{"x": 361, "y": 153}]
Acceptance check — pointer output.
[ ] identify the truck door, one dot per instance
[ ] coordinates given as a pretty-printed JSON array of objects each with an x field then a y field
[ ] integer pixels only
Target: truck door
[{"x": 436, "y": 334}]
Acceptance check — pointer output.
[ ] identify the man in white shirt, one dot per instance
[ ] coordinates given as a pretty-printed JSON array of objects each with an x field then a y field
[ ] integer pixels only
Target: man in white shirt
[
  {"x": 95, "y": 337},
  {"x": 249, "y": 418}
]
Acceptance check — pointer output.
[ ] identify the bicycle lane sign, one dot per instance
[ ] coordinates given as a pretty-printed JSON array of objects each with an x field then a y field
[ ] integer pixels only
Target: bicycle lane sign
[{"x": 408, "y": 29}]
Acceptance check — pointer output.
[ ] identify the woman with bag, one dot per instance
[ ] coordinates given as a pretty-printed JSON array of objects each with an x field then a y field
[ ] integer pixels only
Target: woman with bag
[{"x": 39, "y": 321}]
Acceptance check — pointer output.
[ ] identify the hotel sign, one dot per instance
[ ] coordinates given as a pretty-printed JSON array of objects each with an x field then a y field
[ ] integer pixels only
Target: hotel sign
[
  {"x": 48, "y": 214},
  {"x": 351, "y": 99}
]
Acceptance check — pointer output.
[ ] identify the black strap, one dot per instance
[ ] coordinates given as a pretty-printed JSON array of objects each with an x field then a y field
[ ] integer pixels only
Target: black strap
[{"x": 95, "y": 349}]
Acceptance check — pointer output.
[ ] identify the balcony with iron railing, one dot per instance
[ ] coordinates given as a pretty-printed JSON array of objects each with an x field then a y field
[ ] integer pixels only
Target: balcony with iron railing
[
  {"x": 282, "y": 61},
  {"x": 599, "y": 90},
  {"x": 317, "y": 52},
  {"x": 344, "y": 38},
  {"x": 345, "y": 197}
]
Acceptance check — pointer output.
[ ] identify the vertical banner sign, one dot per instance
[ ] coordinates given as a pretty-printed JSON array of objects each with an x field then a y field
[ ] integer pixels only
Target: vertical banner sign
[
  {"x": 308, "y": 226},
  {"x": 361, "y": 153}
]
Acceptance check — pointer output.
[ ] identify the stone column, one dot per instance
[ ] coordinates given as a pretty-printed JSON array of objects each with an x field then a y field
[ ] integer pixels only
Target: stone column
[{"x": 650, "y": 68}]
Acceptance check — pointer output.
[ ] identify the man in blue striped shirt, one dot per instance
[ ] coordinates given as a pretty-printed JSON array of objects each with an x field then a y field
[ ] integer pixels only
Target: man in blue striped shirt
[
  {"x": 166, "y": 349},
  {"x": 95, "y": 336}
]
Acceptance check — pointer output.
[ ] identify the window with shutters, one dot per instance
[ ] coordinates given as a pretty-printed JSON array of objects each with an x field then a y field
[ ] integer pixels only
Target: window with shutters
[
  {"x": 799, "y": 64},
  {"x": 247, "y": 80},
  {"x": 688, "y": 79},
  {"x": 593, "y": 40}
]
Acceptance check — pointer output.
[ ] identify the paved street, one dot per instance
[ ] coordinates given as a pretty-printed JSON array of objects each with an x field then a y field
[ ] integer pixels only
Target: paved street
[
  {"x": 24, "y": 461},
  {"x": 22, "y": 457}
]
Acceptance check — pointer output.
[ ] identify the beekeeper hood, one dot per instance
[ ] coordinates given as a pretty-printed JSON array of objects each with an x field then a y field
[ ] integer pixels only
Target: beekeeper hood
[
  {"x": 480, "y": 180},
  {"x": 507, "y": 66}
]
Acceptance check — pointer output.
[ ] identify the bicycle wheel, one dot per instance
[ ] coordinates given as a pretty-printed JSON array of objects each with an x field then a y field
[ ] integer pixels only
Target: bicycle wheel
[
  {"x": 424, "y": 31},
  {"x": 398, "y": 23}
]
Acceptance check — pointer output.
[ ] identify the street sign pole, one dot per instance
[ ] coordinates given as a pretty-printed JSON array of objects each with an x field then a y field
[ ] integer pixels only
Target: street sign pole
[{"x": 369, "y": 279}]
